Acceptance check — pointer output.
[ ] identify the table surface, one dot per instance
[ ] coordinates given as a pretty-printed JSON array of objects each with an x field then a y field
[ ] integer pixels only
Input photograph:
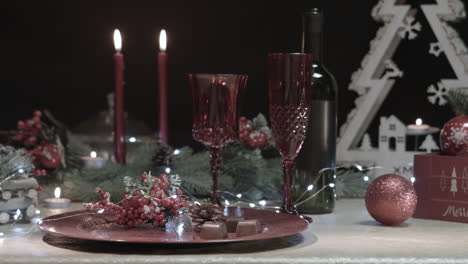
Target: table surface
[{"x": 349, "y": 235}]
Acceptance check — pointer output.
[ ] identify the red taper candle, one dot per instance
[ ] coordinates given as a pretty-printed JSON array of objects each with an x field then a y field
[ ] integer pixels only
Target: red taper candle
[
  {"x": 119, "y": 110},
  {"x": 162, "y": 85}
]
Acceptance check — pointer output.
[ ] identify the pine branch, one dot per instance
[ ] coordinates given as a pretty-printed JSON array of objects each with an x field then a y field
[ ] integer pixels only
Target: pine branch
[
  {"x": 458, "y": 99},
  {"x": 11, "y": 160}
]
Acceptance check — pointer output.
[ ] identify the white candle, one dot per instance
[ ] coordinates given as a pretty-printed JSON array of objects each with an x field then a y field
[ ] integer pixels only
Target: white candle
[
  {"x": 93, "y": 161},
  {"x": 57, "y": 202},
  {"x": 418, "y": 126}
]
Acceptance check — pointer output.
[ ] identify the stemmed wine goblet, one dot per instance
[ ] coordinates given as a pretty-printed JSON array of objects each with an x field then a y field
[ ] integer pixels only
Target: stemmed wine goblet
[
  {"x": 289, "y": 90},
  {"x": 215, "y": 102}
]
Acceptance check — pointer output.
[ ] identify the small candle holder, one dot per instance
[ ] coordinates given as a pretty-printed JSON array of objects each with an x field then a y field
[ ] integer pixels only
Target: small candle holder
[
  {"x": 93, "y": 161},
  {"x": 57, "y": 202}
]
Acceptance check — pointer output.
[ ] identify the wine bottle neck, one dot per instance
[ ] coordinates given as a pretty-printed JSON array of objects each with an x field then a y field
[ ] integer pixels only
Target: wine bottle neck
[{"x": 313, "y": 43}]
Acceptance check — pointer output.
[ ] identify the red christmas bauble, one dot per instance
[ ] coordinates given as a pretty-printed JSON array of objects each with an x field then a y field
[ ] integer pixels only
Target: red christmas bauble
[
  {"x": 48, "y": 156},
  {"x": 454, "y": 136},
  {"x": 256, "y": 139},
  {"x": 391, "y": 199}
]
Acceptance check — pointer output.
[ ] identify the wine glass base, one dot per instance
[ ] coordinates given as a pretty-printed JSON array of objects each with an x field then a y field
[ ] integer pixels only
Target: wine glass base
[{"x": 295, "y": 212}]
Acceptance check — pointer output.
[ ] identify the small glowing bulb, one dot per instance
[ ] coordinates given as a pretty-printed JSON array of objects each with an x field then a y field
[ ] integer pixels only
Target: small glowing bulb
[
  {"x": 331, "y": 185},
  {"x": 310, "y": 187},
  {"x": 413, "y": 179},
  {"x": 226, "y": 202},
  {"x": 359, "y": 167},
  {"x": 17, "y": 214},
  {"x": 168, "y": 170},
  {"x": 174, "y": 196},
  {"x": 239, "y": 195},
  {"x": 277, "y": 211},
  {"x": 176, "y": 152},
  {"x": 100, "y": 211},
  {"x": 38, "y": 211},
  {"x": 252, "y": 205},
  {"x": 163, "y": 40},
  {"x": 132, "y": 139},
  {"x": 20, "y": 170},
  {"x": 117, "y": 40},
  {"x": 2, "y": 234},
  {"x": 366, "y": 178},
  {"x": 57, "y": 192},
  {"x": 262, "y": 203},
  {"x": 93, "y": 154},
  {"x": 419, "y": 122}
]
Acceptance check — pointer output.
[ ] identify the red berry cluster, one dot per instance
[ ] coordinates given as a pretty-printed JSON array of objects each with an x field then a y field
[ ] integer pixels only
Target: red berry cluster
[
  {"x": 253, "y": 138},
  {"x": 29, "y": 131},
  {"x": 33, "y": 134},
  {"x": 245, "y": 126},
  {"x": 150, "y": 202}
]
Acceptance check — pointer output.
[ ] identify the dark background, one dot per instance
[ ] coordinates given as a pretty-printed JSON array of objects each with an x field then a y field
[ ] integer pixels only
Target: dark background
[{"x": 57, "y": 55}]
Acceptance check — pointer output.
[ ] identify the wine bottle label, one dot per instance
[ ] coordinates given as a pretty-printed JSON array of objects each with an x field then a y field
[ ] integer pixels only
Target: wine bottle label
[{"x": 319, "y": 148}]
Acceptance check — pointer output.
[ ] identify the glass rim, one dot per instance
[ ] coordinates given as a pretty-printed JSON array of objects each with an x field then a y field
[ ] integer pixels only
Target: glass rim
[{"x": 217, "y": 74}]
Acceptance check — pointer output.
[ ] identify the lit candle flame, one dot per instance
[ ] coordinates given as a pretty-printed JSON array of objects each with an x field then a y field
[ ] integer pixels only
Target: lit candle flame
[
  {"x": 419, "y": 122},
  {"x": 57, "y": 192},
  {"x": 117, "y": 40},
  {"x": 163, "y": 40},
  {"x": 93, "y": 154}
]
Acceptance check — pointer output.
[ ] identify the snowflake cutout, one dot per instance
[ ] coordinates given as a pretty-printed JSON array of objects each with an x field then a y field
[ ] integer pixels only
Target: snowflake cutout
[
  {"x": 409, "y": 29},
  {"x": 458, "y": 135},
  {"x": 435, "y": 49},
  {"x": 437, "y": 94}
]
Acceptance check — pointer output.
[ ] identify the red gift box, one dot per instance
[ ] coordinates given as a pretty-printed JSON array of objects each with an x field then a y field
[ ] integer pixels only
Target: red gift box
[{"x": 442, "y": 187}]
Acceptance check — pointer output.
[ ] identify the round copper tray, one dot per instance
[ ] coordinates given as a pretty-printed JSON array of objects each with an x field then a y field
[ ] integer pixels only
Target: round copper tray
[{"x": 94, "y": 226}]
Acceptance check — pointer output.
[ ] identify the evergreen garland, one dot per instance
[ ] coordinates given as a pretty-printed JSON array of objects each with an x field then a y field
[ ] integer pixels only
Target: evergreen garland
[{"x": 254, "y": 173}]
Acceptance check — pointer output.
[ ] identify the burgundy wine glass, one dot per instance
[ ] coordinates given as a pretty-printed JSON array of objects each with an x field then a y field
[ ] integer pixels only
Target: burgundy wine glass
[
  {"x": 215, "y": 99},
  {"x": 289, "y": 89}
]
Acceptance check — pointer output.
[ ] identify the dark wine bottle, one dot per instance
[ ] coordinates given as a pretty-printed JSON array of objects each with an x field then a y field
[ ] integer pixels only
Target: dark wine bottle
[{"x": 316, "y": 160}]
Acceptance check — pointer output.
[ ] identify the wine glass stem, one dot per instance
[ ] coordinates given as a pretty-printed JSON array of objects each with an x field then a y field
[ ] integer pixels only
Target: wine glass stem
[
  {"x": 215, "y": 155},
  {"x": 288, "y": 170}
]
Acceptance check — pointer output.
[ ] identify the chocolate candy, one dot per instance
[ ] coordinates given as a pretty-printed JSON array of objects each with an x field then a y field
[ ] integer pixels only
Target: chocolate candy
[
  {"x": 212, "y": 230},
  {"x": 248, "y": 228},
  {"x": 231, "y": 223}
]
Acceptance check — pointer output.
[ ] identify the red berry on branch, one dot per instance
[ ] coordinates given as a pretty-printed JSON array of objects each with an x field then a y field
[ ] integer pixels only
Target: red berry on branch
[
  {"x": 257, "y": 139},
  {"x": 143, "y": 177},
  {"x": 163, "y": 186},
  {"x": 244, "y": 124},
  {"x": 167, "y": 203},
  {"x": 37, "y": 113},
  {"x": 20, "y": 125},
  {"x": 179, "y": 192},
  {"x": 29, "y": 123},
  {"x": 164, "y": 177}
]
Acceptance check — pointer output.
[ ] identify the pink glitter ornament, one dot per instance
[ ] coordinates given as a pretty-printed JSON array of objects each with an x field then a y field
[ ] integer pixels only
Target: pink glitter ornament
[{"x": 391, "y": 199}]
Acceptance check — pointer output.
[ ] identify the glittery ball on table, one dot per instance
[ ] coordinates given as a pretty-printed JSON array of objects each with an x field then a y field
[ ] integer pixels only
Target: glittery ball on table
[
  {"x": 454, "y": 136},
  {"x": 391, "y": 199}
]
